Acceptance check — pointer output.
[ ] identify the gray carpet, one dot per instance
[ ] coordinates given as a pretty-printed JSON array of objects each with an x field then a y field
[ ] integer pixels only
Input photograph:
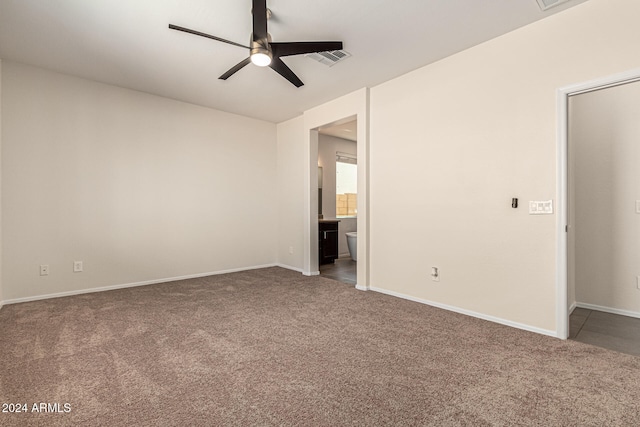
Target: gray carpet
[{"x": 272, "y": 347}]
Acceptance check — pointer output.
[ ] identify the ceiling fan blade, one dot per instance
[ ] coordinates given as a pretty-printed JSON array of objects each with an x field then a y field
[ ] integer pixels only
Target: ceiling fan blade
[
  {"x": 259, "y": 13},
  {"x": 235, "y": 69},
  {"x": 282, "y": 69},
  {"x": 198, "y": 33},
  {"x": 298, "y": 48}
]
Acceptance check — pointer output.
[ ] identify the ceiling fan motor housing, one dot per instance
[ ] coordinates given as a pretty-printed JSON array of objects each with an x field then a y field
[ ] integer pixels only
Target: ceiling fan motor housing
[{"x": 261, "y": 53}]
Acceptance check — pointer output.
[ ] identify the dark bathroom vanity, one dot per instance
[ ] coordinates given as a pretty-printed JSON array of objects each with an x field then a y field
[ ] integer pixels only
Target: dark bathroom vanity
[{"x": 328, "y": 240}]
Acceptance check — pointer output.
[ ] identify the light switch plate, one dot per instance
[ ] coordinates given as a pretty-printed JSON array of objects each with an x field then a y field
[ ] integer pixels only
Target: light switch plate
[{"x": 541, "y": 207}]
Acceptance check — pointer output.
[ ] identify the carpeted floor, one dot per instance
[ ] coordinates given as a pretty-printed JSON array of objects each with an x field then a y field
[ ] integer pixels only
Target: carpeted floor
[{"x": 272, "y": 347}]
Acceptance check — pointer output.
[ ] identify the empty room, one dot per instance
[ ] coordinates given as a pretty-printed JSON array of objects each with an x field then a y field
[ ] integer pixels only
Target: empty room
[{"x": 250, "y": 212}]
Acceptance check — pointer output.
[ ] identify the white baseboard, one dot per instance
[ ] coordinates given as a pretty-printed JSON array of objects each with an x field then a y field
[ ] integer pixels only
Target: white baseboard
[
  {"x": 362, "y": 288},
  {"x": 288, "y": 267},
  {"x": 628, "y": 313},
  {"x": 312, "y": 273},
  {"x": 469, "y": 313},
  {"x": 133, "y": 285},
  {"x": 572, "y": 307}
]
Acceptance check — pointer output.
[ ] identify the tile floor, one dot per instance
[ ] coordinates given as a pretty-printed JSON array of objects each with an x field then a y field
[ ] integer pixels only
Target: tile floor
[
  {"x": 343, "y": 270},
  {"x": 612, "y": 331}
]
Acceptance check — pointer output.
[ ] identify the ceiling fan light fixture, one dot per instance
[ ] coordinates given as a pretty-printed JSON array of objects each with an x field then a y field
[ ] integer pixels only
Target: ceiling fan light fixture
[
  {"x": 261, "y": 59},
  {"x": 261, "y": 55}
]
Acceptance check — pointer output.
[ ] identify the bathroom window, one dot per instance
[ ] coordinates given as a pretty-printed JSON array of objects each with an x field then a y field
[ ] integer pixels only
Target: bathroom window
[{"x": 346, "y": 186}]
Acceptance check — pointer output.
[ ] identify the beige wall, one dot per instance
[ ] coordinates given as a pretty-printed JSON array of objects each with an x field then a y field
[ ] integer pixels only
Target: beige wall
[
  {"x": 603, "y": 141},
  {"x": 469, "y": 133},
  {"x": 291, "y": 179},
  {"x": 138, "y": 187},
  {"x": 1, "y": 290}
]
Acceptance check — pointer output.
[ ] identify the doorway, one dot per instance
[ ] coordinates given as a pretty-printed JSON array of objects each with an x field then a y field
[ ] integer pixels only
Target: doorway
[
  {"x": 354, "y": 106},
  {"x": 337, "y": 201},
  {"x": 598, "y": 233}
]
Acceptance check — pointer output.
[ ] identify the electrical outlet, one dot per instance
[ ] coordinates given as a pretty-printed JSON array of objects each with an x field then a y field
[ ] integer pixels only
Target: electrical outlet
[
  {"x": 77, "y": 266},
  {"x": 435, "y": 274},
  {"x": 290, "y": 250},
  {"x": 638, "y": 281},
  {"x": 44, "y": 269}
]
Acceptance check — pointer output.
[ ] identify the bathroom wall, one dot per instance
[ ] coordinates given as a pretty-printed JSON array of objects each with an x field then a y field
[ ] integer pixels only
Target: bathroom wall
[
  {"x": 327, "y": 148},
  {"x": 139, "y": 187},
  {"x": 603, "y": 141}
]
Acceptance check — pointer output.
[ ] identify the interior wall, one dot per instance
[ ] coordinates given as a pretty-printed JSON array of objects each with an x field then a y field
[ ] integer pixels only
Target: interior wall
[
  {"x": 327, "y": 148},
  {"x": 465, "y": 135},
  {"x": 291, "y": 180},
  {"x": 138, "y": 187},
  {"x": 603, "y": 141},
  {"x": 1, "y": 293}
]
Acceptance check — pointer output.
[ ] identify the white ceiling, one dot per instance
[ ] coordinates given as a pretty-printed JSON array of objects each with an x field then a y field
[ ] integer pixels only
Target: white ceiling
[
  {"x": 347, "y": 130},
  {"x": 128, "y": 44}
]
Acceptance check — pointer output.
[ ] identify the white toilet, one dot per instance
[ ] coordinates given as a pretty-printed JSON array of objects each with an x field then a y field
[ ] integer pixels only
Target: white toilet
[{"x": 352, "y": 243}]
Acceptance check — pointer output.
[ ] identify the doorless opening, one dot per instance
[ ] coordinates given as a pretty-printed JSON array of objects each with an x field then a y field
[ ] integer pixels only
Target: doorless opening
[
  {"x": 354, "y": 106},
  {"x": 337, "y": 201},
  {"x": 564, "y": 222}
]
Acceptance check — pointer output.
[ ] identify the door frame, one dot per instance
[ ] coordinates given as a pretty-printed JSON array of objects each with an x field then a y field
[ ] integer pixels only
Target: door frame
[
  {"x": 562, "y": 150},
  {"x": 352, "y": 106}
]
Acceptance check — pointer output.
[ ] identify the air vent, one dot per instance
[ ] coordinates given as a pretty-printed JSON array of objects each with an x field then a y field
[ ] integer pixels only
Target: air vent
[
  {"x": 548, "y": 4},
  {"x": 329, "y": 58}
]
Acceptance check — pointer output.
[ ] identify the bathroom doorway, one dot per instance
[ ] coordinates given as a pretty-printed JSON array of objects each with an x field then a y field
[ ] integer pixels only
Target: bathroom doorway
[
  {"x": 337, "y": 201},
  {"x": 354, "y": 106}
]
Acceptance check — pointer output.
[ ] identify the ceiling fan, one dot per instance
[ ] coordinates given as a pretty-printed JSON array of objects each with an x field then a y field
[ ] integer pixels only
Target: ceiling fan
[{"x": 263, "y": 51}]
